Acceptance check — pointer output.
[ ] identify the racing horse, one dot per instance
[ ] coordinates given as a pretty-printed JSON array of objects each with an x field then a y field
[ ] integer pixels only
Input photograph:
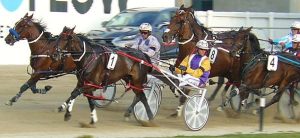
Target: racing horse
[
  {"x": 43, "y": 59},
  {"x": 184, "y": 26},
  {"x": 255, "y": 74},
  {"x": 97, "y": 66}
]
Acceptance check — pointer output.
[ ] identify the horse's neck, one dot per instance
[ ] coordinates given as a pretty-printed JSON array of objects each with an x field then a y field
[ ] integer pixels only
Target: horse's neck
[
  {"x": 41, "y": 46},
  {"x": 200, "y": 32}
]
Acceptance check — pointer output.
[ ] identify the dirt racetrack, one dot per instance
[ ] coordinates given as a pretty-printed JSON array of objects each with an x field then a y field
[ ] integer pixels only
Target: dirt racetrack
[{"x": 33, "y": 115}]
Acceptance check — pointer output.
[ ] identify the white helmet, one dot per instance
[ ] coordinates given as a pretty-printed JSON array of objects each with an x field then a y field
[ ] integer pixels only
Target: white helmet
[
  {"x": 296, "y": 25},
  {"x": 146, "y": 27},
  {"x": 296, "y": 38},
  {"x": 202, "y": 44}
]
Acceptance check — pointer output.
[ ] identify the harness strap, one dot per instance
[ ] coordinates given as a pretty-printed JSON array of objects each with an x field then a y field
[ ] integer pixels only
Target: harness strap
[
  {"x": 33, "y": 41},
  {"x": 92, "y": 85},
  {"x": 84, "y": 51},
  {"x": 182, "y": 43},
  {"x": 37, "y": 56},
  {"x": 129, "y": 86},
  {"x": 139, "y": 60}
]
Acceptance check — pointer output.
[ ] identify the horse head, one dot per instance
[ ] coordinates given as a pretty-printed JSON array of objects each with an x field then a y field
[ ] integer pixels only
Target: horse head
[
  {"x": 69, "y": 43},
  {"x": 25, "y": 28},
  {"x": 180, "y": 26},
  {"x": 239, "y": 43}
]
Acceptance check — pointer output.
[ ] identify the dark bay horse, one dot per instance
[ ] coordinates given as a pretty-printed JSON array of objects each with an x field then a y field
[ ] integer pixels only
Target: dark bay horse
[
  {"x": 43, "y": 59},
  {"x": 185, "y": 27},
  {"x": 255, "y": 74},
  {"x": 98, "y": 65}
]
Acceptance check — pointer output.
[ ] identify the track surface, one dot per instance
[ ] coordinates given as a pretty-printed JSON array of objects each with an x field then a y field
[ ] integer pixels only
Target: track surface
[{"x": 34, "y": 115}]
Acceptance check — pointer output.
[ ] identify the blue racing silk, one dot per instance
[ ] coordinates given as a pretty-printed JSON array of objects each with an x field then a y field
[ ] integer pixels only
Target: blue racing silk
[{"x": 287, "y": 40}]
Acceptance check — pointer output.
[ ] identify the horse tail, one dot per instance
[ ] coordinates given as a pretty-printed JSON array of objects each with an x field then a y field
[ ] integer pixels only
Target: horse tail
[{"x": 149, "y": 61}]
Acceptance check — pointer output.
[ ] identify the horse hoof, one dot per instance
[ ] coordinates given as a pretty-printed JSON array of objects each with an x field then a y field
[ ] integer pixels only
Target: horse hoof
[
  {"x": 174, "y": 115},
  {"x": 255, "y": 112},
  {"x": 220, "y": 109},
  {"x": 127, "y": 119},
  {"x": 47, "y": 88},
  {"x": 85, "y": 125},
  {"x": 59, "y": 110},
  {"x": 67, "y": 117},
  {"x": 147, "y": 123},
  {"x": 9, "y": 103}
]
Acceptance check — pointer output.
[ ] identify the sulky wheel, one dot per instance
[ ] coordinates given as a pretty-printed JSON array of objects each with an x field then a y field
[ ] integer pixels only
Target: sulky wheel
[
  {"x": 195, "y": 117},
  {"x": 153, "y": 98},
  {"x": 109, "y": 95}
]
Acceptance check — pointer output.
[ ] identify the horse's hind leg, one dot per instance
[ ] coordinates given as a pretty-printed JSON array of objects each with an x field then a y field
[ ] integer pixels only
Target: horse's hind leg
[
  {"x": 143, "y": 99},
  {"x": 292, "y": 93},
  {"x": 130, "y": 108},
  {"x": 94, "y": 117}
]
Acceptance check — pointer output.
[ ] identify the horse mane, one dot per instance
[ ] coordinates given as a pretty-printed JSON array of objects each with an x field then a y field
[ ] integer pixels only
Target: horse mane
[
  {"x": 255, "y": 43},
  {"x": 43, "y": 28}
]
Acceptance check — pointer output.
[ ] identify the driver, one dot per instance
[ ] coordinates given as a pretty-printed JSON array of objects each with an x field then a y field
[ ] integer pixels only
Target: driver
[
  {"x": 195, "y": 68},
  {"x": 286, "y": 41},
  {"x": 147, "y": 43}
]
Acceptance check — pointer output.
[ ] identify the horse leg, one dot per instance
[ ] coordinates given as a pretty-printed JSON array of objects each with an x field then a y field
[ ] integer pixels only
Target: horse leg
[
  {"x": 221, "y": 81},
  {"x": 94, "y": 117},
  {"x": 275, "y": 98},
  {"x": 223, "y": 97},
  {"x": 32, "y": 81},
  {"x": 71, "y": 99},
  {"x": 292, "y": 93},
  {"x": 130, "y": 108},
  {"x": 182, "y": 100},
  {"x": 40, "y": 91},
  {"x": 143, "y": 99}
]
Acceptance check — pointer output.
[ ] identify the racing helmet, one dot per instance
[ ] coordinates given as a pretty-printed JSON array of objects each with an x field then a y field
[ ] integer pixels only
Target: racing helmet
[
  {"x": 145, "y": 27},
  {"x": 296, "y": 25},
  {"x": 202, "y": 44},
  {"x": 296, "y": 38}
]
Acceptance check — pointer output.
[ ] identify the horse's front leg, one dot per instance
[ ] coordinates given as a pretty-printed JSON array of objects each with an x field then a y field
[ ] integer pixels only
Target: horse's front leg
[
  {"x": 31, "y": 82},
  {"x": 182, "y": 100},
  {"x": 40, "y": 91},
  {"x": 71, "y": 100}
]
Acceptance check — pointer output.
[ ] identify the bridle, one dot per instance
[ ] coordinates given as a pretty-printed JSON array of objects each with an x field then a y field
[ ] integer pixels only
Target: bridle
[{"x": 16, "y": 35}]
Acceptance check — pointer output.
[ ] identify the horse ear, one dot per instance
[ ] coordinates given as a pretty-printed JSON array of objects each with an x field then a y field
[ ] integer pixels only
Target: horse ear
[
  {"x": 73, "y": 28},
  {"x": 181, "y": 7},
  {"x": 249, "y": 29},
  {"x": 241, "y": 28},
  {"x": 25, "y": 15},
  {"x": 30, "y": 17}
]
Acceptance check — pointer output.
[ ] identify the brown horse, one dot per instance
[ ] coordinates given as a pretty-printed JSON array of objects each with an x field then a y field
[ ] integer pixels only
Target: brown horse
[
  {"x": 98, "y": 65},
  {"x": 185, "y": 27},
  {"x": 255, "y": 74},
  {"x": 43, "y": 59}
]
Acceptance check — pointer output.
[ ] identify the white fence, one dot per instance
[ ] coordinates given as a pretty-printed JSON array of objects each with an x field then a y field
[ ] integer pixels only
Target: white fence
[{"x": 265, "y": 25}]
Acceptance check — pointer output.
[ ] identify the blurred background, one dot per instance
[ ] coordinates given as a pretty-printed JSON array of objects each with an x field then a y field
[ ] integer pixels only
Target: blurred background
[{"x": 101, "y": 20}]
